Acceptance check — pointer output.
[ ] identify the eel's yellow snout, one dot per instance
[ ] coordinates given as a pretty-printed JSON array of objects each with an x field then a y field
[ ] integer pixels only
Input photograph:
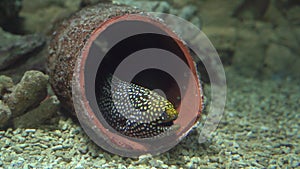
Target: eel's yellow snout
[{"x": 172, "y": 113}]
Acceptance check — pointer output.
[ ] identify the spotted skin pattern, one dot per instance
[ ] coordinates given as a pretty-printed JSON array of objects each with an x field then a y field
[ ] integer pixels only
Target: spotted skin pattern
[{"x": 135, "y": 111}]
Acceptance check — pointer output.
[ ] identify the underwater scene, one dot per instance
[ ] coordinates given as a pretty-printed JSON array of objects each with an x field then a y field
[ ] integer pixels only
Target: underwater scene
[{"x": 150, "y": 84}]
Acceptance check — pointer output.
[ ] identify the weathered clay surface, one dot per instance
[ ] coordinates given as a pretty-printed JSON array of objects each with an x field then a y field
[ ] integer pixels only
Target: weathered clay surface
[{"x": 68, "y": 41}]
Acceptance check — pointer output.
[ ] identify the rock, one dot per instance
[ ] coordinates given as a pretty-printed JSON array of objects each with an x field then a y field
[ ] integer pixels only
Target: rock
[
  {"x": 41, "y": 16},
  {"x": 251, "y": 9},
  {"x": 148, "y": 6},
  {"x": 188, "y": 12},
  {"x": 249, "y": 59},
  {"x": 57, "y": 147},
  {"x": 286, "y": 35},
  {"x": 274, "y": 16},
  {"x": 6, "y": 85},
  {"x": 293, "y": 15},
  {"x": 92, "y": 2},
  {"x": 39, "y": 115},
  {"x": 143, "y": 159},
  {"x": 9, "y": 11},
  {"x": 210, "y": 13},
  {"x": 281, "y": 62},
  {"x": 5, "y": 114},
  {"x": 156, "y": 163},
  {"x": 28, "y": 93},
  {"x": 15, "y": 48},
  {"x": 223, "y": 38}
]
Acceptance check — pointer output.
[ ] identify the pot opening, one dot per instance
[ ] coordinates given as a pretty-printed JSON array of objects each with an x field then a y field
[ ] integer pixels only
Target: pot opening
[{"x": 133, "y": 39}]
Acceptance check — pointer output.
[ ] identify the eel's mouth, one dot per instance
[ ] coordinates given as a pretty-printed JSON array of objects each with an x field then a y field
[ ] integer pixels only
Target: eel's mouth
[{"x": 166, "y": 124}]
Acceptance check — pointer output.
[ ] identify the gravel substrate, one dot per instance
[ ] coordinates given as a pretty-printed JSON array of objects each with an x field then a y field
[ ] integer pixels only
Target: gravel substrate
[{"x": 260, "y": 129}]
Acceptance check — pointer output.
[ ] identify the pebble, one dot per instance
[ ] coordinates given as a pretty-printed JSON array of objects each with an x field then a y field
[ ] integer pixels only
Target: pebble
[
  {"x": 173, "y": 167},
  {"x": 7, "y": 143},
  {"x": 23, "y": 145},
  {"x": 253, "y": 162},
  {"x": 41, "y": 145},
  {"x": 227, "y": 153},
  {"x": 58, "y": 147},
  {"x": 64, "y": 127},
  {"x": 236, "y": 157},
  {"x": 185, "y": 152},
  {"x": 155, "y": 163},
  {"x": 272, "y": 166},
  {"x": 79, "y": 166},
  {"x": 188, "y": 12},
  {"x": 30, "y": 130},
  {"x": 195, "y": 160},
  {"x": 143, "y": 159},
  {"x": 83, "y": 149}
]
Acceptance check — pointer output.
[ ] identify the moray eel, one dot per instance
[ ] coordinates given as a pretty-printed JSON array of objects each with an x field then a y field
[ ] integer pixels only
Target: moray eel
[{"x": 135, "y": 111}]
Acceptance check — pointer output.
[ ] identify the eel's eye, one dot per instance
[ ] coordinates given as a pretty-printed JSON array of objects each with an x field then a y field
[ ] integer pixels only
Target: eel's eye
[{"x": 164, "y": 116}]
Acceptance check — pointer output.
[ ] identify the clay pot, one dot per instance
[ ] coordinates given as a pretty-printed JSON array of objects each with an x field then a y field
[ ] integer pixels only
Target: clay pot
[{"x": 95, "y": 41}]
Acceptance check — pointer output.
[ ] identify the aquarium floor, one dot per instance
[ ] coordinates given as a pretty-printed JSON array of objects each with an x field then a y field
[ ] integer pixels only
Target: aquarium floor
[{"x": 259, "y": 129}]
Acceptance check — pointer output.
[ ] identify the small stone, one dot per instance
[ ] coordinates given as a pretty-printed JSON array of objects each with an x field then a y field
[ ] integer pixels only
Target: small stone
[
  {"x": 17, "y": 149},
  {"x": 195, "y": 160},
  {"x": 253, "y": 162},
  {"x": 236, "y": 157},
  {"x": 67, "y": 158},
  {"x": 67, "y": 146},
  {"x": 57, "y": 133},
  {"x": 30, "y": 130},
  {"x": 7, "y": 143},
  {"x": 213, "y": 159},
  {"x": 228, "y": 153},
  {"x": 120, "y": 166},
  {"x": 143, "y": 159},
  {"x": 17, "y": 131},
  {"x": 185, "y": 152},
  {"x": 272, "y": 166},
  {"x": 64, "y": 127},
  {"x": 58, "y": 147},
  {"x": 295, "y": 164},
  {"x": 173, "y": 167},
  {"x": 155, "y": 163},
  {"x": 83, "y": 149},
  {"x": 41, "y": 145},
  {"x": 188, "y": 12},
  {"x": 23, "y": 145},
  {"x": 164, "y": 166},
  {"x": 102, "y": 161},
  {"x": 79, "y": 166},
  {"x": 190, "y": 165}
]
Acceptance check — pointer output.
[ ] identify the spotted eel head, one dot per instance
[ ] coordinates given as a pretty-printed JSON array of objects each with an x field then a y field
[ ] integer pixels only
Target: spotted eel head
[
  {"x": 136, "y": 111},
  {"x": 155, "y": 107}
]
